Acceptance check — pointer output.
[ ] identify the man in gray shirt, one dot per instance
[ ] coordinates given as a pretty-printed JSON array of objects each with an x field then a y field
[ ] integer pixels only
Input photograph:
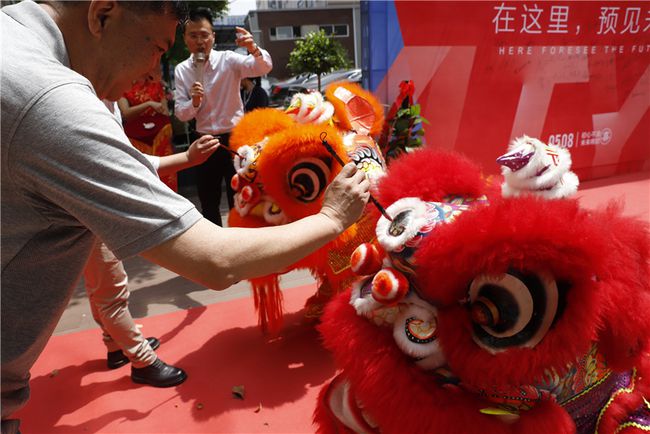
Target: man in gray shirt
[{"x": 69, "y": 175}]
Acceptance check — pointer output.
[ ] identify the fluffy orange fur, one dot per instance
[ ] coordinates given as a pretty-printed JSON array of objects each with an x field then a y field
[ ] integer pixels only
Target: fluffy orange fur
[
  {"x": 258, "y": 124},
  {"x": 280, "y": 154},
  {"x": 288, "y": 142}
]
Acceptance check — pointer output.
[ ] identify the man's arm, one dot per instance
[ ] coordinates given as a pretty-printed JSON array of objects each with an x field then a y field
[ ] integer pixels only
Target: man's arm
[
  {"x": 129, "y": 112},
  {"x": 259, "y": 62},
  {"x": 199, "y": 151},
  {"x": 183, "y": 108},
  {"x": 218, "y": 257}
]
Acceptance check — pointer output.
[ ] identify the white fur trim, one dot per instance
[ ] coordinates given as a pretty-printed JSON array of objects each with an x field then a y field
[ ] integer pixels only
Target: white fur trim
[
  {"x": 557, "y": 181},
  {"x": 362, "y": 305},
  {"x": 566, "y": 188},
  {"x": 274, "y": 219},
  {"x": 243, "y": 159},
  {"x": 521, "y": 179},
  {"x": 418, "y": 219},
  {"x": 321, "y": 112},
  {"x": 328, "y": 112},
  {"x": 340, "y": 397},
  {"x": 431, "y": 355}
]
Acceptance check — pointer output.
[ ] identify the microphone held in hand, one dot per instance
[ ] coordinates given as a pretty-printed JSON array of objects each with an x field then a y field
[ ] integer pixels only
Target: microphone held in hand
[{"x": 199, "y": 63}]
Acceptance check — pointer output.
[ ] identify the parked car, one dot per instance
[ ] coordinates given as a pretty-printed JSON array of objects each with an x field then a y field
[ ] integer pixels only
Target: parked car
[
  {"x": 351, "y": 75},
  {"x": 280, "y": 90}
]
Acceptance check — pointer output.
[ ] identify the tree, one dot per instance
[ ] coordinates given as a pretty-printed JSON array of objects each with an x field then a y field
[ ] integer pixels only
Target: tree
[{"x": 318, "y": 54}]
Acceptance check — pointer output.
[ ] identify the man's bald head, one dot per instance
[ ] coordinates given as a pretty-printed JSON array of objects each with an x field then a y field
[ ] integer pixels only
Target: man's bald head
[{"x": 178, "y": 8}]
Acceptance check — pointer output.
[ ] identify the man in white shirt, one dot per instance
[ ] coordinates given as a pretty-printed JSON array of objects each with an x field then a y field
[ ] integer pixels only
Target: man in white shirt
[{"x": 208, "y": 91}]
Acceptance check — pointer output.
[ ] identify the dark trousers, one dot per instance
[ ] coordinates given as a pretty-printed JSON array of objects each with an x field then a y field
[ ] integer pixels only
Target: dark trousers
[{"x": 210, "y": 175}]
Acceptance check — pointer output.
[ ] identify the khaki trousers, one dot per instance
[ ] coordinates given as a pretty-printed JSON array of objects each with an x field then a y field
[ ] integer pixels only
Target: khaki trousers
[{"x": 106, "y": 285}]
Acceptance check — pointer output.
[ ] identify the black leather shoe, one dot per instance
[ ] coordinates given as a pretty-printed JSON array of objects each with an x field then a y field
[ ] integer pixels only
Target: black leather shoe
[
  {"x": 115, "y": 359},
  {"x": 158, "y": 374}
]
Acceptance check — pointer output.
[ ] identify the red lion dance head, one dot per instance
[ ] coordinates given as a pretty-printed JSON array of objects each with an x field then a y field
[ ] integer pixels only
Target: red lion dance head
[{"x": 486, "y": 311}]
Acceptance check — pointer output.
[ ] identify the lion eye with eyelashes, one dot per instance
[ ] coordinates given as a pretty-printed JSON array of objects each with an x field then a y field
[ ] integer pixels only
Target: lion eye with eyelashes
[
  {"x": 308, "y": 178},
  {"x": 515, "y": 309}
]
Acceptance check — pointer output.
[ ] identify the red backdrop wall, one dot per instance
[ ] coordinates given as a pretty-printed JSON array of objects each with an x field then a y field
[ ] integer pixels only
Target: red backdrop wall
[{"x": 571, "y": 73}]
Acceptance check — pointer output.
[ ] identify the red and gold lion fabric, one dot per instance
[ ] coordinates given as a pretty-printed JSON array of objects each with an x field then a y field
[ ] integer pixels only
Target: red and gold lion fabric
[
  {"x": 491, "y": 310},
  {"x": 283, "y": 169}
]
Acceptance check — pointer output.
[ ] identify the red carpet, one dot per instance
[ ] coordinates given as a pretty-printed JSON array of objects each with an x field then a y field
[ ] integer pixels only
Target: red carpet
[{"x": 219, "y": 346}]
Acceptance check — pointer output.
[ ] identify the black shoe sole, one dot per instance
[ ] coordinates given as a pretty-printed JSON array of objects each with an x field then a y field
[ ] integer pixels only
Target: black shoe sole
[{"x": 173, "y": 383}]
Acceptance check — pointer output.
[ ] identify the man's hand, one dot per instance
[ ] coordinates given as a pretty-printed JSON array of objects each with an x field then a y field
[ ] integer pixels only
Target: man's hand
[
  {"x": 201, "y": 149},
  {"x": 346, "y": 197},
  {"x": 196, "y": 92},
  {"x": 245, "y": 39}
]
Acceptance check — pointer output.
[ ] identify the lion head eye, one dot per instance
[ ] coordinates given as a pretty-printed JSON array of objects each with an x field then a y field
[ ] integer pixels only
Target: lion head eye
[
  {"x": 308, "y": 178},
  {"x": 512, "y": 310}
]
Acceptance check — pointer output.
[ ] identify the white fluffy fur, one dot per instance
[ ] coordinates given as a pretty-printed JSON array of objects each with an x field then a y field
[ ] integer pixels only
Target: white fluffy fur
[
  {"x": 566, "y": 188},
  {"x": 556, "y": 182},
  {"x": 363, "y": 305},
  {"x": 431, "y": 354},
  {"x": 389, "y": 242},
  {"x": 321, "y": 112}
]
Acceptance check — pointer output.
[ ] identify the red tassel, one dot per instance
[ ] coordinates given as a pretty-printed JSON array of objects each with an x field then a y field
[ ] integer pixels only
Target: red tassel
[{"x": 268, "y": 303}]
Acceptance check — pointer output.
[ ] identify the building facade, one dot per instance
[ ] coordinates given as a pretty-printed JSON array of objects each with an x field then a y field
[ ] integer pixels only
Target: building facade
[{"x": 278, "y": 24}]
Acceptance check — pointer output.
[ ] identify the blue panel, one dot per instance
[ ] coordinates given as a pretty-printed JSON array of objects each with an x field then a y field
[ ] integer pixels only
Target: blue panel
[{"x": 381, "y": 37}]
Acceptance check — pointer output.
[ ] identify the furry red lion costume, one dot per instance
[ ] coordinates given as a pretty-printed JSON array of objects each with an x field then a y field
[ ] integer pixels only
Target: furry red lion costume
[
  {"x": 283, "y": 170},
  {"x": 485, "y": 314}
]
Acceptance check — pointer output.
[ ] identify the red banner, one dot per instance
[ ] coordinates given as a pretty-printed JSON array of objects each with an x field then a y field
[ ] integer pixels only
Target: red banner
[{"x": 576, "y": 74}]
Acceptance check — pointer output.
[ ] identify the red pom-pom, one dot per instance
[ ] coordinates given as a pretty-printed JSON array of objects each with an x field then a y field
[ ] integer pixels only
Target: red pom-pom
[
  {"x": 389, "y": 286},
  {"x": 247, "y": 193},
  {"x": 234, "y": 182},
  {"x": 366, "y": 259}
]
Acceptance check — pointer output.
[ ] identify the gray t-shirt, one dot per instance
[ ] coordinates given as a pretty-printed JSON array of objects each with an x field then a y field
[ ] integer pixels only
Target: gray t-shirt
[{"x": 68, "y": 174}]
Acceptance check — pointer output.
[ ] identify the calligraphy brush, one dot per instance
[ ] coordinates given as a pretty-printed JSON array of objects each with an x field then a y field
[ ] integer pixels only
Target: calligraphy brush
[{"x": 333, "y": 153}]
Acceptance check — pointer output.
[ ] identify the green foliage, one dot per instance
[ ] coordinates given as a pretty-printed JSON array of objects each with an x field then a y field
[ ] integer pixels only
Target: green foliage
[
  {"x": 406, "y": 131},
  {"x": 179, "y": 52},
  {"x": 318, "y": 54}
]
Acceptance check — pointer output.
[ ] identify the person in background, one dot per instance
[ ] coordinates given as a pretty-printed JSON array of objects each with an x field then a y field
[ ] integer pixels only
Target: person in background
[
  {"x": 70, "y": 175},
  {"x": 146, "y": 119},
  {"x": 106, "y": 284},
  {"x": 208, "y": 91},
  {"x": 252, "y": 94}
]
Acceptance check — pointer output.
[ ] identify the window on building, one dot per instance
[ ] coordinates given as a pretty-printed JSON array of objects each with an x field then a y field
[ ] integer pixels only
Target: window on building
[
  {"x": 341, "y": 30},
  {"x": 335, "y": 29},
  {"x": 295, "y": 32},
  {"x": 284, "y": 32},
  {"x": 307, "y": 29}
]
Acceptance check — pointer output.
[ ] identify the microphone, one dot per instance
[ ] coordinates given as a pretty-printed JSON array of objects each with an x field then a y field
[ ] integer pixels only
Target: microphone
[{"x": 199, "y": 62}]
